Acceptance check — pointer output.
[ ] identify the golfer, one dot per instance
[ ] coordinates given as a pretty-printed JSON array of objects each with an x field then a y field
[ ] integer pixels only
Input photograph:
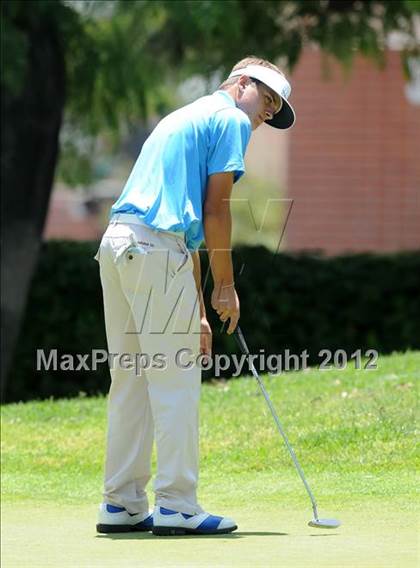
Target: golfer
[{"x": 177, "y": 195}]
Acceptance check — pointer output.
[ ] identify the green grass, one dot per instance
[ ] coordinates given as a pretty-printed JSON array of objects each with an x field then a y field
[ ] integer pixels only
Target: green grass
[{"x": 353, "y": 431}]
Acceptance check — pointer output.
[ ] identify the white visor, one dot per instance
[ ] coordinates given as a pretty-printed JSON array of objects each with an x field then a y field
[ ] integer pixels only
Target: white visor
[{"x": 286, "y": 117}]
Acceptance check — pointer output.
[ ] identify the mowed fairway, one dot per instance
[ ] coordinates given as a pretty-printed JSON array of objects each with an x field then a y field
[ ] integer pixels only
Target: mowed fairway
[{"x": 353, "y": 431}]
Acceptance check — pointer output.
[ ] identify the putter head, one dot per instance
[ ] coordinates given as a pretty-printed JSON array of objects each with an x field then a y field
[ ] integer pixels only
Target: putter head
[{"x": 324, "y": 523}]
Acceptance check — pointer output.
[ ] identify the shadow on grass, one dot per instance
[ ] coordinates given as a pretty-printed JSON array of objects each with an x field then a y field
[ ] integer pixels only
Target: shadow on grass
[
  {"x": 324, "y": 534},
  {"x": 150, "y": 536}
]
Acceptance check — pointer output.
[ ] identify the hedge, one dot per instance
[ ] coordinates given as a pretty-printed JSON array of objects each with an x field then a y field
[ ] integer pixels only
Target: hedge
[{"x": 288, "y": 301}]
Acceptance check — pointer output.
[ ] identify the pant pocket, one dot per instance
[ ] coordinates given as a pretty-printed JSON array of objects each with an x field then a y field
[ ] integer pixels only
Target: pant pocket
[
  {"x": 122, "y": 241},
  {"x": 182, "y": 260},
  {"x": 127, "y": 250}
]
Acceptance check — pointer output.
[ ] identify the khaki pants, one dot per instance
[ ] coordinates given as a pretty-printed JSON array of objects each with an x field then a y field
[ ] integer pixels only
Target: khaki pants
[{"x": 151, "y": 307}]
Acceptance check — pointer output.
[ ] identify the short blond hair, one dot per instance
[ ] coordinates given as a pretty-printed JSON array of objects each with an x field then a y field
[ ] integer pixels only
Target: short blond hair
[{"x": 249, "y": 60}]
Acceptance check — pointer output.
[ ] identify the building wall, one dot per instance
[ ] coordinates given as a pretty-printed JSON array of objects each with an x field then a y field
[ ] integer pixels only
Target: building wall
[
  {"x": 69, "y": 218},
  {"x": 267, "y": 156},
  {"x": 354, "y": 161}
]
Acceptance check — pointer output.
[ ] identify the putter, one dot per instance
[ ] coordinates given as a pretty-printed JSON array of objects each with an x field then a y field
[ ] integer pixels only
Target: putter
[{"x": 316, "y": 521}]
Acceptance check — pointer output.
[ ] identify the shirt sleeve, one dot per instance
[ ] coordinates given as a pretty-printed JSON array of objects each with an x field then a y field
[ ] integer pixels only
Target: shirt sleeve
[{"x": 230, "y": 134}]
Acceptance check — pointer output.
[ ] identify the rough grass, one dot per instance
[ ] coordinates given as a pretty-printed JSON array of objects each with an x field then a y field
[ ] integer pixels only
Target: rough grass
[{"x": 353, "y": 431}]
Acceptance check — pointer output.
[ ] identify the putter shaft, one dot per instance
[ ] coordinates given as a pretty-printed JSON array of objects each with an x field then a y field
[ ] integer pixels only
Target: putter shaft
[{"x": 245, "y": 350}]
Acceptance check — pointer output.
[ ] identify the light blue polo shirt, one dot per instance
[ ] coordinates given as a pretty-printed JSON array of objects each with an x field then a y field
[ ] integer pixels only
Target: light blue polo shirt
[{"x": 167, "y": 186}]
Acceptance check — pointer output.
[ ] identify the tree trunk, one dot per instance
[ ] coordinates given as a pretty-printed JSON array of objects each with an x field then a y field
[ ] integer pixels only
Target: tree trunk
[{"x": 31, "y": 122}]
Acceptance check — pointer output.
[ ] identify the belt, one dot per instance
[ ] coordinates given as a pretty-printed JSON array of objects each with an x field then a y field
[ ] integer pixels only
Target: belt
[{"x": 132, "y": 219}]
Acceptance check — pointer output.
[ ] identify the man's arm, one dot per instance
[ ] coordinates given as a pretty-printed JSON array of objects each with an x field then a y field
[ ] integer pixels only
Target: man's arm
[
  {"x": 218, "y": 230},
  {"x": 205, "y": 329},
  {"x": 218, "y": 227},
  {"x": 197, "y": 277}
]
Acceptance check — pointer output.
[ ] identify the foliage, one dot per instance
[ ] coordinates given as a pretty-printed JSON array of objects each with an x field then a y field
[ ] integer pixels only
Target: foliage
[
  {"x": 17, "y": 17},
  {"x": 124, "y": 58},
  {"x": 293, "y": 302}
]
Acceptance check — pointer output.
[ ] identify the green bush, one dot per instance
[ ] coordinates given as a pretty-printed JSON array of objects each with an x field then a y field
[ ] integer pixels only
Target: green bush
[{"x": 288, "y": 301}]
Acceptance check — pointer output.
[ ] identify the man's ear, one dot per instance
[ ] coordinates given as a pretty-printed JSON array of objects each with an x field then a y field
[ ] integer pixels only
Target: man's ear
[{"x": 243, "y": 81}]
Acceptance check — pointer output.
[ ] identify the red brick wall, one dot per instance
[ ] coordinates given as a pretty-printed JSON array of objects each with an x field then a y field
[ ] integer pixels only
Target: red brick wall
[
  {"x": 354, "y": 171},
  {"x": 68, "y": 218}
]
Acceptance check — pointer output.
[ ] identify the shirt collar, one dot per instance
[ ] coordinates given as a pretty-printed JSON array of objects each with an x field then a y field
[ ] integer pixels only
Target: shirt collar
[{"x": 226, "y": 96}]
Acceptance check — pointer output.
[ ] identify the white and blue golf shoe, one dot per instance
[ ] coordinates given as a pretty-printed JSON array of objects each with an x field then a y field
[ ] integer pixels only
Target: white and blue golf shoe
[
  {"x": 167, "y": 522},
  {"x": 112, "y": 519}
]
